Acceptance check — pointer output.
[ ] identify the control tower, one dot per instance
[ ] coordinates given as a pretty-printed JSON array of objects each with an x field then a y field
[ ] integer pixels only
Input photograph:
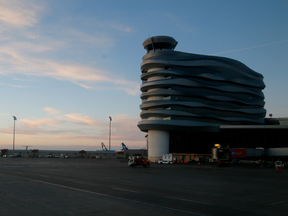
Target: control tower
[{"x": 184, "y": 92}]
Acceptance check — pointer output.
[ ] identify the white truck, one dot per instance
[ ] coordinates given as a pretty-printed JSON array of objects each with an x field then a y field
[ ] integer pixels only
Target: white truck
[
  {"x": 166, "y": 159},
  {"x": 279, "y": 164},
  {"x": 15, "y": 155}
]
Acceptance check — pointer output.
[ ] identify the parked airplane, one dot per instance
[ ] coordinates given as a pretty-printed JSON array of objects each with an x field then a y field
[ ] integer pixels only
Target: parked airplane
[
  {"x": 104, "y": 148},
  {"x": 124, "y": 147}
]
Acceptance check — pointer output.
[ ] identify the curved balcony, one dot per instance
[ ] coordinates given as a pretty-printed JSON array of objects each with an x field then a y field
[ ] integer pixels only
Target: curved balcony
[{"x": 183, "y": 91}]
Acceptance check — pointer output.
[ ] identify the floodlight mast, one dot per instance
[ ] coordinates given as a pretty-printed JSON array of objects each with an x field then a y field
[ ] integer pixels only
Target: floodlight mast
[
  {"x": 15, "y": 119},
  {"x": 110, "y": 133}
]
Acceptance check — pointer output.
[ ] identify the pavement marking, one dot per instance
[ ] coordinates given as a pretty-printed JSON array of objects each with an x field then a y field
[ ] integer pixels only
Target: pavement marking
[
  {"x": 190, "y": 200},
  {"x": 278, "y": 202},
  {"x": 115, "y": 197},
  {"x": 126, "y": 190},
  {"x": 258, "y": 206}
]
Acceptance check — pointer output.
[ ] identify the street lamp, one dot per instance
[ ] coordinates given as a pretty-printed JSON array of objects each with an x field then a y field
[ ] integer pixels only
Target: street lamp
[
  {"x": 110, "y": 133},
  {"x": 15, "y": 119}
]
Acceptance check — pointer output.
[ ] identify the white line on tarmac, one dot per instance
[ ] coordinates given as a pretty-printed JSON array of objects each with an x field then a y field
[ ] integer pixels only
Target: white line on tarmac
[
  {"x": 126, "y": 190},
  {"x": 75, "y": 182},
  {"x": 120, "y": 198},
  {"x": 190, "y": 200}
]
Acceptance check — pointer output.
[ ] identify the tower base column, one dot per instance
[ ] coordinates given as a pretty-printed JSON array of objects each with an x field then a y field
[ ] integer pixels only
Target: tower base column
[{"x": 158, "y": 144}]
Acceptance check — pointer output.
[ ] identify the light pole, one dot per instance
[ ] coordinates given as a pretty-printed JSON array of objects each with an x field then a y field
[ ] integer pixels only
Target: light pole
[
  {"x": 110, "y": 132},
  {"x": 15, "y": 119}
]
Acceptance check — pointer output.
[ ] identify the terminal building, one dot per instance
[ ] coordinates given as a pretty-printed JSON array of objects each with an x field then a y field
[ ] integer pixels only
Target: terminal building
[{"x": 191, "y": 102}]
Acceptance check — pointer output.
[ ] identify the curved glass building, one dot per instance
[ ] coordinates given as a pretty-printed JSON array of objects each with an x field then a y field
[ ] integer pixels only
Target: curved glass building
[{"x": 194, "y": 93}]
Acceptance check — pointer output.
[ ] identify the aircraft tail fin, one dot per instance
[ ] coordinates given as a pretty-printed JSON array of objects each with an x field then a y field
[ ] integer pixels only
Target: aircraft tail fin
[
  {"x": 124, "y": 147},
  {"x": 103, "y": 147}
]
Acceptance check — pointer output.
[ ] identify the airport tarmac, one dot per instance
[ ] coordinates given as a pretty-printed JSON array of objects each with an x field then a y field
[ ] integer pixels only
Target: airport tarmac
[{"x": 54, "y": 186}]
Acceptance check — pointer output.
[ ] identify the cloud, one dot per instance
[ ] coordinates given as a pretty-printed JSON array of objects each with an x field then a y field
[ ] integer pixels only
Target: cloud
[
  {"x": 80, "y": 119},
  {"x": 35, "y": 47},
  {"x": 121, "y": 28},
  {"x": 122, "y": 125},
  {"x": 102, "y": 40},
  {"x": 41, "y": 122},
  {"x": 19, "y": 13},
  {"x": 16, "y": 86},
  {"x": 6, "y": 131},
  {"x": 253, "y": 47},
  {"x": 106, "y": 24},
  {"x": 75, "y": 137},
  {"x": 75, "y": 73},
  {"x": 26, "y": 52},
  {"x": 84, "y": 86},
  {"x": 51, "y": 110},
  {"x": 75, "y": 129}
]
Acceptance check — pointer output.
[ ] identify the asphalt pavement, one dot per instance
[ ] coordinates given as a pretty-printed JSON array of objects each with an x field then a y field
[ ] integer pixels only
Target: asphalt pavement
[{"x": 55, "y": 186}]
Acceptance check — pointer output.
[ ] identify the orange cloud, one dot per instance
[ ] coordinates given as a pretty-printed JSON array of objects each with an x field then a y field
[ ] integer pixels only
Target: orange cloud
[
  {"x": 78, "y": 118},
  {"x": 40, "y": 122},
  {"x": 76, "y": 128},
  {"x": 75, "y": 137}
]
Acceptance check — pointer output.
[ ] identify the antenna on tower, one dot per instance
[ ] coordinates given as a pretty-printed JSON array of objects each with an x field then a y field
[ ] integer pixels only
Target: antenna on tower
[{"x": 27, "y": 147}]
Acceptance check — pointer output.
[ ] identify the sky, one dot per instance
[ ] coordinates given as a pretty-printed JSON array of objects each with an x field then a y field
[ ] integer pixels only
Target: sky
[{"x": 66, "y": 66}]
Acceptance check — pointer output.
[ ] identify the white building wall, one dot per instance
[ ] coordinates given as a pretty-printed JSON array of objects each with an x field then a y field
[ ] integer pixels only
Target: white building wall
[{"x": 158, "y": 144}]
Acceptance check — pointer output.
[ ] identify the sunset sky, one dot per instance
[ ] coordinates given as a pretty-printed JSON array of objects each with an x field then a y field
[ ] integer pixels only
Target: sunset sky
[{"x": 66, "y": 66}]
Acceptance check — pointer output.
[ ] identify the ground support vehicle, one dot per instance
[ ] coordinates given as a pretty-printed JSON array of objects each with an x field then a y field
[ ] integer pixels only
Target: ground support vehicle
[
  {"x": 138, "y": 161},
  {"x": 255, "y": 161},
  {"x": 224, "y": 156},
  {"x": 15, "y": 155},
  {"x": 278, "y": 166},
  {"x": 166, "y": 159},
  {"x": 221, "y": 155}
]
